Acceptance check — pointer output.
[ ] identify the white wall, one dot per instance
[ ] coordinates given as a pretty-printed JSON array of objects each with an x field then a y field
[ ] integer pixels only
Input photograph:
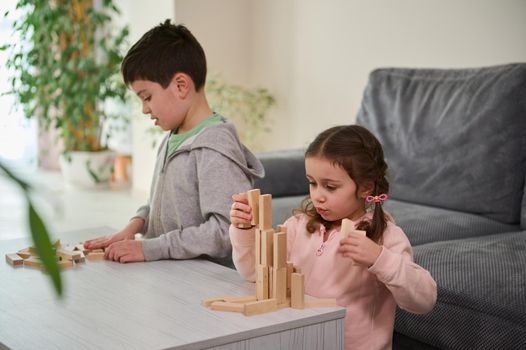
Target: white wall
[{"x": 315, "y": 55}]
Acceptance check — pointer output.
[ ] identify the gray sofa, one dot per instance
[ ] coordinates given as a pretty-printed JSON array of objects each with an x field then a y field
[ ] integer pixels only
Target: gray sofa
[{"x": 455, "y": 143}]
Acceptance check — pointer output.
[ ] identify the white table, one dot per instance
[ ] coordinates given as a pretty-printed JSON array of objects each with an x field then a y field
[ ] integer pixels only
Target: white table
[{"x": 154, "y": 305}]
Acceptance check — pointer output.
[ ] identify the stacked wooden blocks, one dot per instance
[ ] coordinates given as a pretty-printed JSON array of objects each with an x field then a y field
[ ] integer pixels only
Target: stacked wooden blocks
[
  {"x": 278, "y": 284},
  {"x": 67, "y": 256}
]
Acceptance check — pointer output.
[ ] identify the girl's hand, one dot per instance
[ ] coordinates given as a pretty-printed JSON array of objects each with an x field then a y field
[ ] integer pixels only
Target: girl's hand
[
  {"x": 103, "y": 242},
  {"x": 360, "y": 249},
  {"x": 240, "y": 212}
]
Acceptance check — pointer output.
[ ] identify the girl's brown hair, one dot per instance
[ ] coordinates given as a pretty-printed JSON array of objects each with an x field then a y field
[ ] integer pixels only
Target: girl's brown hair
[{"x": 360, "y": 154}]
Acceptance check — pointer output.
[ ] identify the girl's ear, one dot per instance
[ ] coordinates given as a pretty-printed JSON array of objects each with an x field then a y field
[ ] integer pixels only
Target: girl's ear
[
  {"x": 182, "y": 84},
  {"x": 366, "y": 189}
]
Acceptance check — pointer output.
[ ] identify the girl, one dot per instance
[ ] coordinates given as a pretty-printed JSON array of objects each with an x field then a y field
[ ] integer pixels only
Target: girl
[{"x": 369, "y": 275}]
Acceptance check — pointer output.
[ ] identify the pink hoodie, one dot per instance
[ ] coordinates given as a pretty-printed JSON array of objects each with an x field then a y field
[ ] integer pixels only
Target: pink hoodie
[{"x": 369, "y": 294}]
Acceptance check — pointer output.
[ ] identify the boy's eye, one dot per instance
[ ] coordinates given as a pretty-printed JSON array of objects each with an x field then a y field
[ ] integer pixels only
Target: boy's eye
[{"x": 147, "y": 99}]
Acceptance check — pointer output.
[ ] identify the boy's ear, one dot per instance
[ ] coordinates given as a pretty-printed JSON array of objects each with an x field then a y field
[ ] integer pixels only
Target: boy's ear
[{"x": 182, "y": 83}]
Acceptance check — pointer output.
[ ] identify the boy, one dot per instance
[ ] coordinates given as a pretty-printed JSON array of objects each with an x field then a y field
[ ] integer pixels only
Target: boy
[{"x": 200, "y": 164}]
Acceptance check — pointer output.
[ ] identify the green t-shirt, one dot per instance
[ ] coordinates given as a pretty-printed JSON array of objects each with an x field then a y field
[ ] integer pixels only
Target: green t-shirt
[{"x": 176, "y": 140}]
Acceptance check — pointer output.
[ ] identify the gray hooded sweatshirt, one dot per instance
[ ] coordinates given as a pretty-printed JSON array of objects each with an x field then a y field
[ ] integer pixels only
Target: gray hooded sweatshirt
[{"x": 191, "y": 194}]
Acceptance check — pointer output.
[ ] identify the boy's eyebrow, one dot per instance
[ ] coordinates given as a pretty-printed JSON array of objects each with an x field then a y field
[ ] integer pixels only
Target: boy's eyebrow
[{"x": 140, "y": 92}]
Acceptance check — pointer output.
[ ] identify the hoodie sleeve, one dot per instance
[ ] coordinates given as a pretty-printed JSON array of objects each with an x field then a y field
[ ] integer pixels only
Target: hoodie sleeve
[
  {"x": 218, "y": 178},
  {"x": 412, "y": 286}
]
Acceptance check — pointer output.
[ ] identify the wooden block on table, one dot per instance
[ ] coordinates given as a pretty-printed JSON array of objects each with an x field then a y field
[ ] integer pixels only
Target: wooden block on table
[
  {"x": 57, "y": 244},
  {"x": 267, "y": 237},
  {"x": 290, "y": 271},
  {"x": 279, "y": 242},
  {"x": 14, "y": 260},
  {"x": 262, "y": 282},
  {"x": 258, "y": 246},
  {"x": 260, "y": 306},
  {"x": 24, "y": 253},
  {"x": 281, "y": 228},
  {"x": 284, "y": 304},
  {"x": 32, "y": 251},
  {"x": 226, "y": 306},
  {"x": 33, "y": 262},
  {"x": 69, "y": 255},
  {"x": 65, "y": 263},
  {"x": 297, "y": 291},
  {"x": 265, "y": 212},
  {"x": 94, "y": 256},
  {"x": 253, "y": 202},
  {"x": 279, "y": 284},
  {"x": 319, "y": 302},
  {"x": 97, "y": 251},
  {"x": 239, "y": 299},
  {"x": 207, "y": 302}
]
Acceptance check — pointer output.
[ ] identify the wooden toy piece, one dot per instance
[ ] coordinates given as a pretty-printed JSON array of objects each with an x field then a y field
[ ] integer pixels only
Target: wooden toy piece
[
  {"x": 226, "y": 306},
  {"x": 267, "y": 237},
  {"x": 297, "y": 291},
  {"x": 14, "y": 260},
  {"x": 24, "y": 253},
  {"x": 281, "y": 228},
  {"x": 262, "y": 282},
  {"x": 57, "y": 244},
  {"x": 253, "y": 201},
  {"x": 363, "y": 233},
  {"x": 33, "y": 261},
  {"x": 279, "y": 284},
  {"x": 32, "y": 251},
  {"x": 280, "y": 250},
  {"x": 207, "y": 302},
  {"x": 265, "y": 212},
  {"x": 346, "y": 228},
  {"x": 94, "y": 256},
  {"x": 290, "y": 271},
  {"x": 244, "y": 225},
  {"x": 311, "y": 301},
  {"x": 284, "y": 304},
  {"x": 65, "y": 263},
  {"x": 69, "y": 255},
  {"x": 97, "y": 251},
  {"x": 260, "y": 307},
  {"x": 258, "y": 246},
  {"x": 239, "y": 299}
]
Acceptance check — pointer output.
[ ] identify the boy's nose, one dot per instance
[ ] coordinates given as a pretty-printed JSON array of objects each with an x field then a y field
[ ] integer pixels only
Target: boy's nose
[{"x": 146, "y": 109}]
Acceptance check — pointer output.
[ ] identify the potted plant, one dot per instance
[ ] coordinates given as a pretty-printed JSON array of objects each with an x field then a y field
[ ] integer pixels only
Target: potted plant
[{"x": 65, "y": 70}]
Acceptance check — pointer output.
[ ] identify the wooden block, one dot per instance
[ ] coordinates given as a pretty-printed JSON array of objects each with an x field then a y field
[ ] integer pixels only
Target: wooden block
[
  {"x": 297, "y": 291},
  {"x": 270, "y": 281},
  {"x": 290, "y": 271},
  {"x": 14, "y": 260},
  {"x": 260, "y": 306},
  {"x": 69, "y": 255},
  {"x": 94, "y": 256},
  {"x": 207, "y": 302},
  {"x": 65, "y": 263},
  {"x": 253, "y": 202},
  {"x": 346, "y": 228},
  {"x": 24, "y": 253},
  {"x": 360, "y": 232},
  {"x": 226, "y": 306},
  {"x": 33, "y": 262},
  {"x": 284, "y": 304},
  {"x": 239, "y": 299},
  {"x": 265, "y": 212},
  {"x": 258, "y": 246},
  {"x": 262, "y": 282},
  {"x": 279, "y": 284},
  {"x": 97, "y": 251},
  {"x": 244, "y": 226},
  {"x": 319, "y": 302},
  {"x": 267, "y": 237},
  {"x": 281, "y": 228},
  {"x": 280, "y": 250},
  {"x": 32, "y": 251},
  {"x": 57, "y": 244}
]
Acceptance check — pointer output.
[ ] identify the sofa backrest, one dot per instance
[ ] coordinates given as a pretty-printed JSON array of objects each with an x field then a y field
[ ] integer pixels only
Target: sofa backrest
[
  {"x": 453, "y": 138},
  {"x": 284, "y": 173}
]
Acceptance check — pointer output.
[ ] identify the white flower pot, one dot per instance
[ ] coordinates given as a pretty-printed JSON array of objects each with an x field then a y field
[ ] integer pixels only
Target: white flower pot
[{"x": 88, "y": 170}]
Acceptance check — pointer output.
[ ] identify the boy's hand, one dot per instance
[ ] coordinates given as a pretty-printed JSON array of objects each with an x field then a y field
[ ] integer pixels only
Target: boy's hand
[
  {"x": 125, "y": 251},
  {"x": 103, "y": 242},
  {"x": 240, "y": 212},
  {"x": 360, "y": 249}
]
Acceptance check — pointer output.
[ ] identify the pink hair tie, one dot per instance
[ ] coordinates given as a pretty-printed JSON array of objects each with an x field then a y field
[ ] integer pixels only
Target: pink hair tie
[{"x": 377, "y": 199}]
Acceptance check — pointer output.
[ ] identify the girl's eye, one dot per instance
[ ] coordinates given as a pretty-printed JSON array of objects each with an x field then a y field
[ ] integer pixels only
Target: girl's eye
[
  {"x": 311, "y": 183},
  {"x": 330, "y": 188},
  {"x": 147, "y": 99}
]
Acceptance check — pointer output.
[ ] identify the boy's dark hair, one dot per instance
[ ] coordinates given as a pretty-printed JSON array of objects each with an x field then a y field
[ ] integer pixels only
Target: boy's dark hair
[
  {"x": 360, "y": 154},
  {"x": 162, "y": 52}
]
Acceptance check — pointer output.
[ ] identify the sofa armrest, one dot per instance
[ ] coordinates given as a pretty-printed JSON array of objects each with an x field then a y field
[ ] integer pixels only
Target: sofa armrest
[{"x": 284, "y": 173}]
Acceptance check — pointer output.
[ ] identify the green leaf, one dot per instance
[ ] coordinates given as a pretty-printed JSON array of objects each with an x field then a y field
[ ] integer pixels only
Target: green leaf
[{"x": 44, "y": 247}]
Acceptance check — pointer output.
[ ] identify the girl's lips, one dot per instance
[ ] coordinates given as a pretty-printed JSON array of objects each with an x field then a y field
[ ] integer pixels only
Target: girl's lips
[{"x": 321, "y": 211}]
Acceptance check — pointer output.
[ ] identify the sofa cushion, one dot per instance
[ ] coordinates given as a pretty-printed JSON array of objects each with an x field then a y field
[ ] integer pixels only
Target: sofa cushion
[
  {"x": 481, "y": 294},
  {"x": 453, "y": 138},
  {"x": 425, "y": 224},
  {"x": 284, "y": 173}
]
